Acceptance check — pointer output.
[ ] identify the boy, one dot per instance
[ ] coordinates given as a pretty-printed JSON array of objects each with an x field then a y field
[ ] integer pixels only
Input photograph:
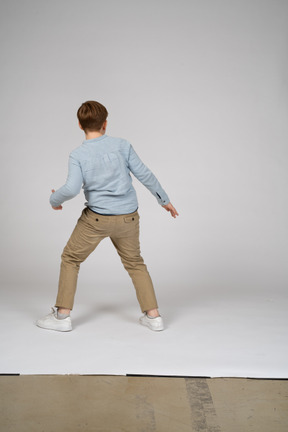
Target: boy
[{"x": 102, "y": 164}]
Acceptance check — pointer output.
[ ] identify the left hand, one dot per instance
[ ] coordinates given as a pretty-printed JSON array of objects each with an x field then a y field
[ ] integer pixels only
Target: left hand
[
  {"x": 59, "y": 207},
  {"x": 169, "y": 207}
]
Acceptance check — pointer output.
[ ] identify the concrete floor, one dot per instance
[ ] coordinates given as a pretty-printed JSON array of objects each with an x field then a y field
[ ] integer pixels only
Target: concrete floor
[{"x": 141, "y": 404}]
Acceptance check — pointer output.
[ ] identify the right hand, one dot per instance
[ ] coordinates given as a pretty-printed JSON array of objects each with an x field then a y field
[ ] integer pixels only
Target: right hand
[
  {"x": 59, "y": 207},
  {"x": 169, "y": 207}
]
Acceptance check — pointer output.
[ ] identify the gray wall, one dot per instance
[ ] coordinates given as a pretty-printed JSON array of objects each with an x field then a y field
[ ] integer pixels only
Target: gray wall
[{"x": 200, "y": 90}]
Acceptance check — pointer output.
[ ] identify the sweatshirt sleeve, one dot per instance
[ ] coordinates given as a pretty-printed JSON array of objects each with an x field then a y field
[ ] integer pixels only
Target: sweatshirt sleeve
[
  {"x": 72, "y": 186},
  {"x": 146, "y": 177}
]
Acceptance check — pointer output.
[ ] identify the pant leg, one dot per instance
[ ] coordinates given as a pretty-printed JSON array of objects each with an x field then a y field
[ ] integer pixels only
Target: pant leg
[
  {"x": 125, "y": 238},
  {"x": 86, "y": 236}
]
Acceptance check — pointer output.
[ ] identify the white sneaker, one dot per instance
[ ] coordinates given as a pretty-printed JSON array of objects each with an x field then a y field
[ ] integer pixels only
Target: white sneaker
[
  {"x": 51, "y": 322},
  {"x": 155, "y": 324}
]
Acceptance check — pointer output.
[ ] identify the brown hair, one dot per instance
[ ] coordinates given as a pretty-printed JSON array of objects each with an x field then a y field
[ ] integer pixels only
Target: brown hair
[{"x": 92, "y": 115}]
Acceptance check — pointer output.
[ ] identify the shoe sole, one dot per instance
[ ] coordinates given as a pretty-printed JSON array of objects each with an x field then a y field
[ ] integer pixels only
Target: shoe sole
[{"x": 54, "y": 329}]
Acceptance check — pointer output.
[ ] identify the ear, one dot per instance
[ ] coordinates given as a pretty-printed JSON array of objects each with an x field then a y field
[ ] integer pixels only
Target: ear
[
  {"x": 80, "y": 126},
  {"x": 104, "y": 125}
]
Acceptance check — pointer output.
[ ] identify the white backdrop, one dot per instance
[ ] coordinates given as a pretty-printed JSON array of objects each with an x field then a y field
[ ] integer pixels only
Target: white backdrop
[{"x": 200, "y": 90}]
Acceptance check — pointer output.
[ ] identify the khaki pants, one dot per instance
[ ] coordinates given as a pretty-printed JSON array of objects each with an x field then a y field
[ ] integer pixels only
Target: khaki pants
[{"x": 123, "y": 231}]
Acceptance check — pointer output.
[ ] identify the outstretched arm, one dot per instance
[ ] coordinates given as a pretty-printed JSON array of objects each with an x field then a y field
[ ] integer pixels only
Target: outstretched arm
[
  {"x": 169, "y": 207},
  {"x": 146, "y": 177},
  {"x": 71, "y": 188}
]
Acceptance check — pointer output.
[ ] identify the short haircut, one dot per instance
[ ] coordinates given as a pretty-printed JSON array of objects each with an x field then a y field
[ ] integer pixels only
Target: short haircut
[{"x": 92, "y": 115}]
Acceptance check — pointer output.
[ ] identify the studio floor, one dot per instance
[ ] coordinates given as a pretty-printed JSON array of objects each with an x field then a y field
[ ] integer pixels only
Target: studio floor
[
  {"x": 142, "y": 404},
  {"x": 222, "y": 336},
  {"x": 220, "y": 365}
]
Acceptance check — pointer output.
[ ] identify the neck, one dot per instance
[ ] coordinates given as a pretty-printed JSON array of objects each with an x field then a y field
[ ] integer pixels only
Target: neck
[{"x": 94, "y": 134}]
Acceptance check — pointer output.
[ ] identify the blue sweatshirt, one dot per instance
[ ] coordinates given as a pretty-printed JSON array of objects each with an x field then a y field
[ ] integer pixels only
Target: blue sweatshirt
[{"x": 102, "y": 166}]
